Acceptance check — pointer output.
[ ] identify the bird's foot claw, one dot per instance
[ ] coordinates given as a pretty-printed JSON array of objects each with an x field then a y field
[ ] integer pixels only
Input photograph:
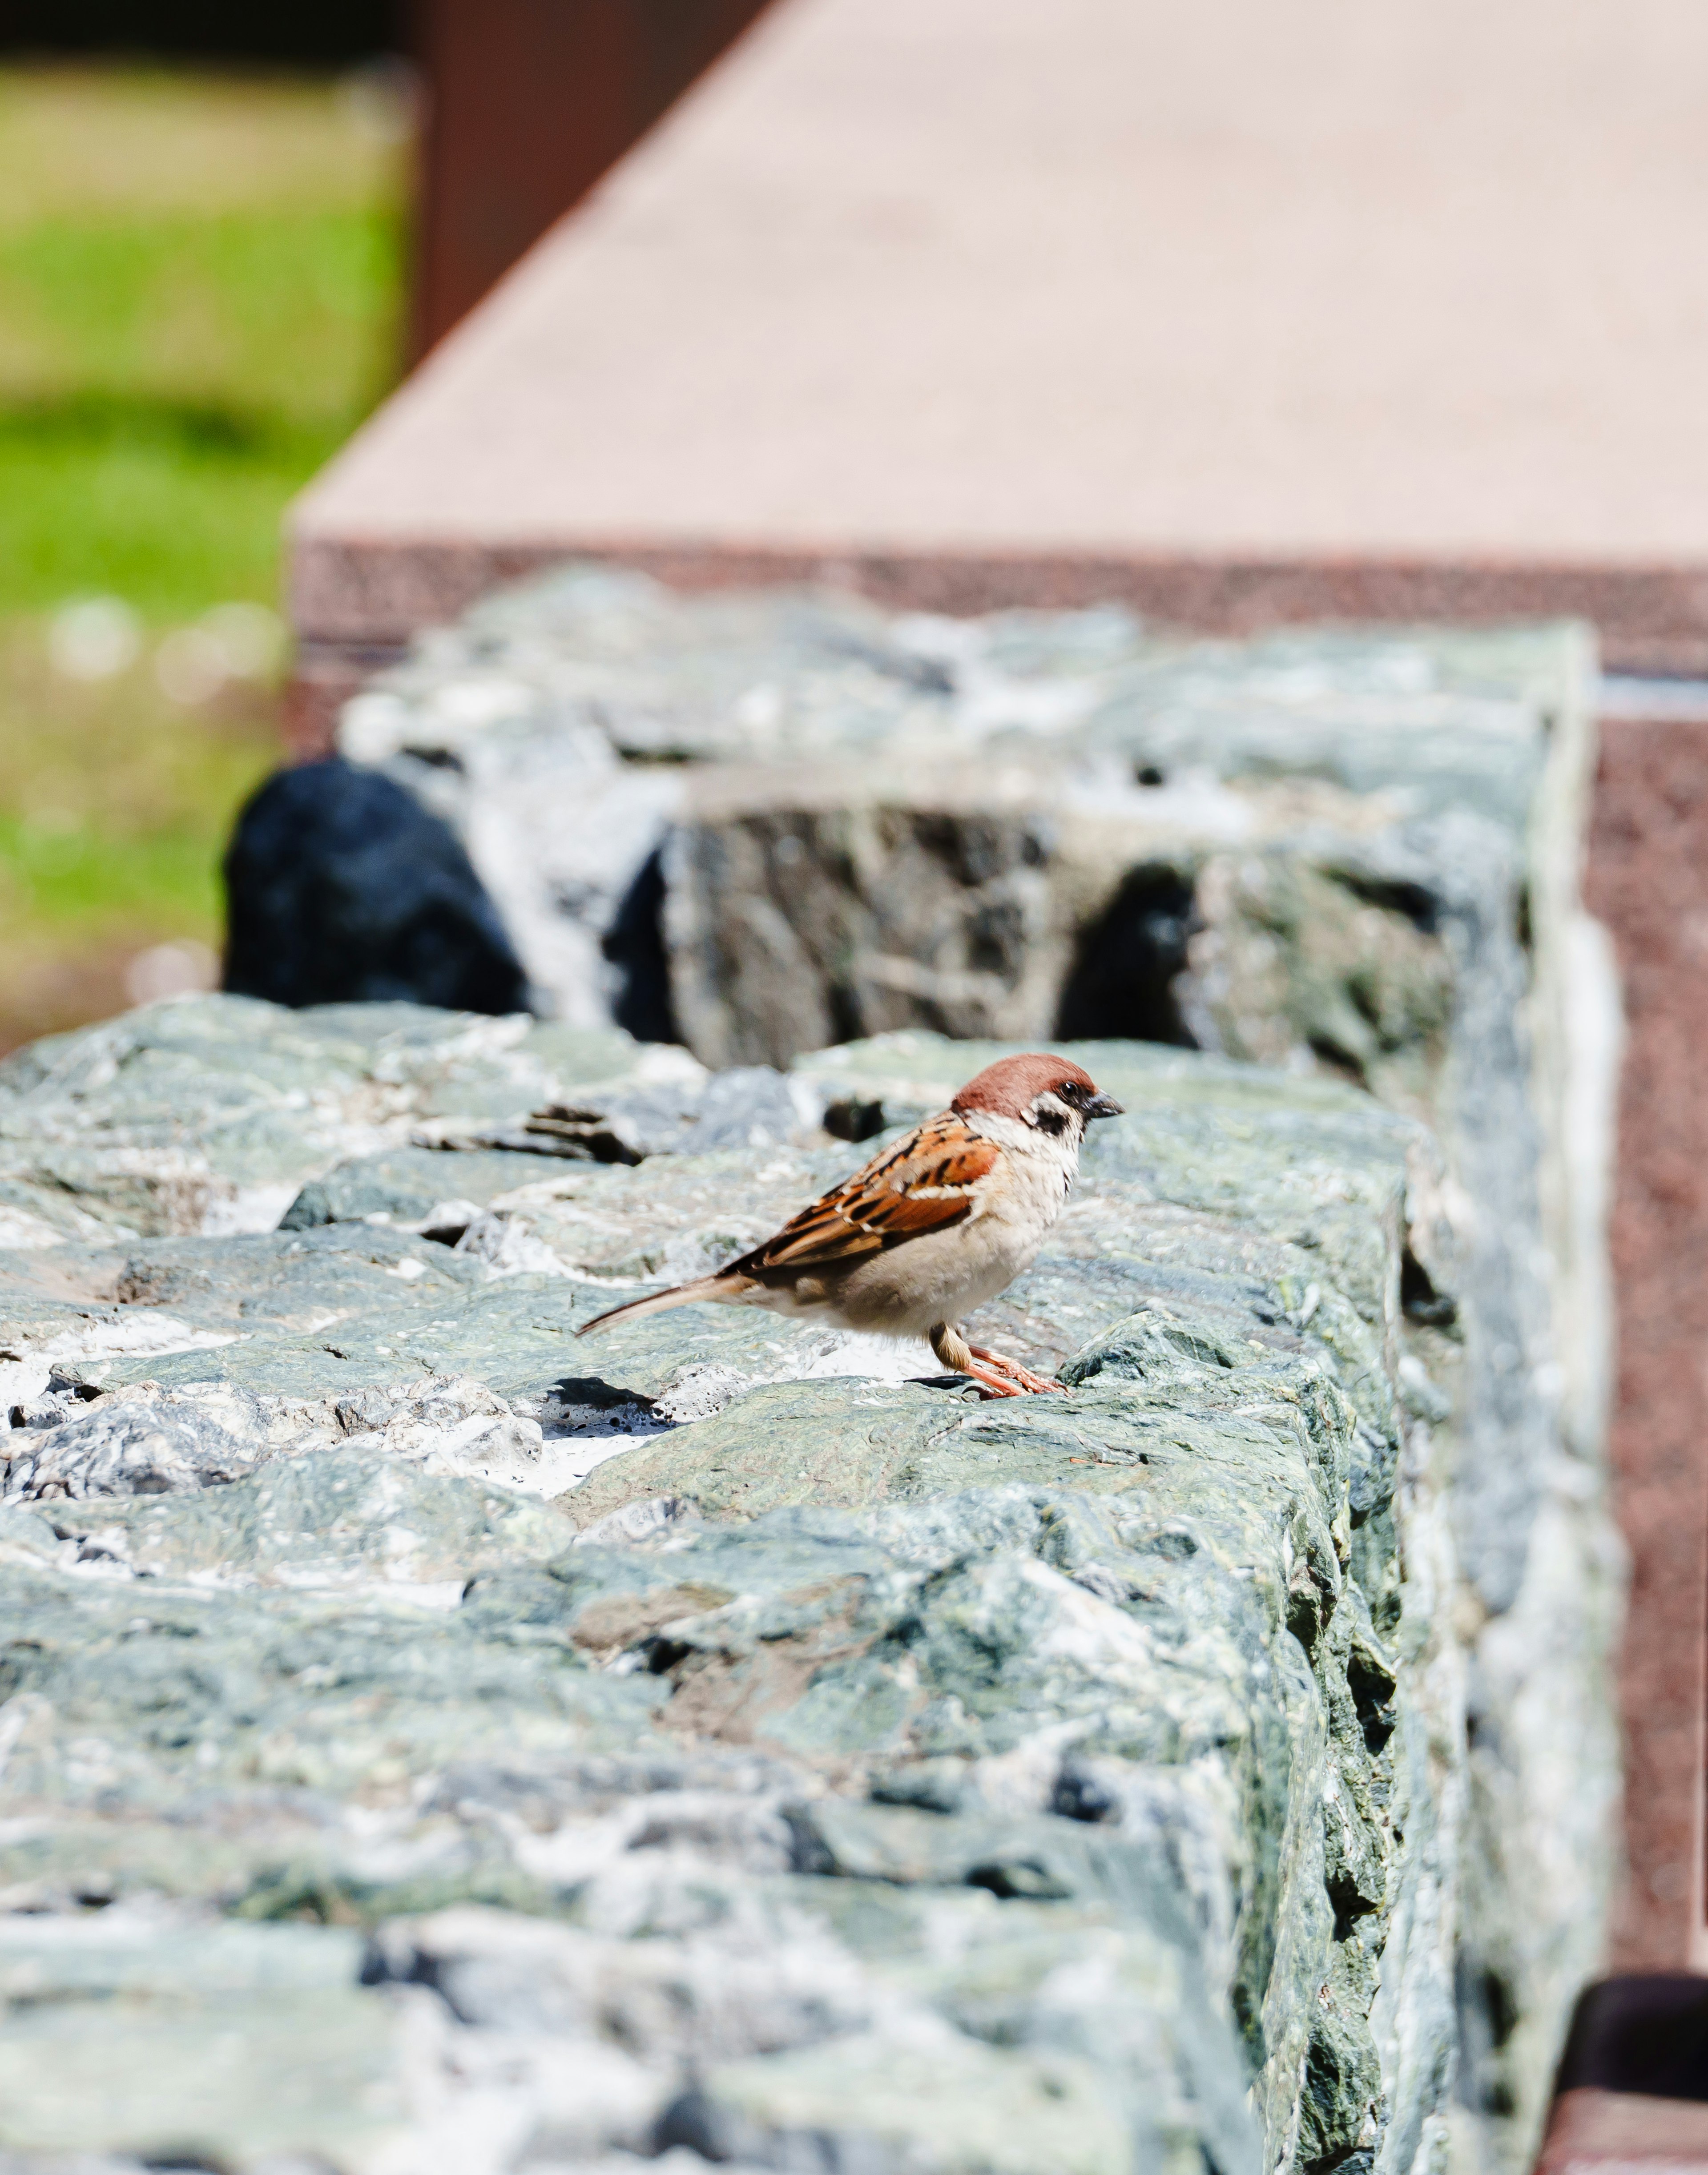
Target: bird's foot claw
[{"x": 1007, "y": 1378}]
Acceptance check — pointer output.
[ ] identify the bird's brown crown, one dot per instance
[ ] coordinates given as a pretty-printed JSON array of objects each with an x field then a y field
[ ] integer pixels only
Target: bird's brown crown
[{"x": 1008, "y": 1089}]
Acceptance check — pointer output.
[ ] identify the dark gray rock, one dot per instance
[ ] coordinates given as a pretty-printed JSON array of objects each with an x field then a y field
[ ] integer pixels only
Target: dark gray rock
[{"x": 342, "y": 889}]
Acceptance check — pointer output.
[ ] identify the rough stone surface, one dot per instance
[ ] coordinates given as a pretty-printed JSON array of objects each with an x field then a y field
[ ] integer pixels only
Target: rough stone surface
[
  {"x": 779, "y": 821},
  {"x": 1348, "y": 853},
  {"x": 195, "y": 1118},
  {"x": 430, "y": 1741},
  {"x": 1067, "y": 1784}
]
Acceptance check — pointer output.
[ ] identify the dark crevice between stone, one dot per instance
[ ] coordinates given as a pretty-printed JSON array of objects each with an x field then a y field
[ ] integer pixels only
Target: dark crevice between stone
[
  {"x": 1419, "y": 905},
  {"x": 1080, "y": 1795},
  {"x": 424, "y": 1969},
  {"x": 1419, "y": 1299},
  {"x": 1487, "y": 2010},
  {"x": 1343, "y": 2079},
  {"x": 1349, "y": 1907},
  {"x": 1121, "y": 984},
  {"x": 693, "y": 2121},
  {"x": 662, "y": 1655},
  {"x": 1335, "y": 1057},
  {"x": 444, "y": 1234},
  {"x": 808, "y": 1852},
  {"x": 69, "y": 1382},
  {"x": 1356, "y": 2160},
  {"x": 847, "y": 1020},
  {"x": 1024, "y": 1879},
  {"x": 1307, "y": 1612},
  {"x": 634, "y": 945},
  {"x": 1374, "y": 1688}
]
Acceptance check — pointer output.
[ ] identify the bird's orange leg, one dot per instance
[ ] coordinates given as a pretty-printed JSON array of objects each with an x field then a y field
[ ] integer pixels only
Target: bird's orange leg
[
  {"x": 989, "y": 1385},
  {"x": 997, "y": 1377},
  {"x": 1024, "y": 1380}
]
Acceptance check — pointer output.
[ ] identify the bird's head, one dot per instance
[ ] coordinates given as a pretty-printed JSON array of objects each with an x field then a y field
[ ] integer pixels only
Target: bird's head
[{"x": 1050, "y": 1094}]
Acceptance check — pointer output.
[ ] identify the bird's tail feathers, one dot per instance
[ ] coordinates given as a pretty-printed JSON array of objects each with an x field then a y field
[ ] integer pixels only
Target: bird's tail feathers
[{"x": 712, "y": 1287}]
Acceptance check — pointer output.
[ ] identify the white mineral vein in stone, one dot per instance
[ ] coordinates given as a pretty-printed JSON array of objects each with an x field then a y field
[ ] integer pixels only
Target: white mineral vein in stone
[
  {"x": 565, "y": 1463},
  {"x": 135, "y": 1334},
  {"x": 247, "y": 1208},
  {"x": 21, "y": 1230}
]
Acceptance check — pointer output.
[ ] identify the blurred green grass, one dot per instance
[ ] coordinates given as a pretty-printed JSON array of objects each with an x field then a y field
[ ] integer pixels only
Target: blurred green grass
[
  {"x": 70, "y": 877},
  {"x": 200, "y": 282}
]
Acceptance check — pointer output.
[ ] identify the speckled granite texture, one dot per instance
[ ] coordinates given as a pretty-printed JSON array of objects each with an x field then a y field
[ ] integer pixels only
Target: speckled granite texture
[
  {"x": 431, "y": 1742},
  {"x": 1350, "y": 851},
  {"x": 978, "y": 1786}
]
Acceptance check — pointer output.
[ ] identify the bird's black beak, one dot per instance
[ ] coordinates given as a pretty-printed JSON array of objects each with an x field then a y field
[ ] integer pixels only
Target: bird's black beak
[{"x": 1104, "y": 1106}]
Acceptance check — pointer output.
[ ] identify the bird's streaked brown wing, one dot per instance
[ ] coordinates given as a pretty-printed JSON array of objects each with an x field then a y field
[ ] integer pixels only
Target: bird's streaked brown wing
[{"x": 922, "y": 1183}]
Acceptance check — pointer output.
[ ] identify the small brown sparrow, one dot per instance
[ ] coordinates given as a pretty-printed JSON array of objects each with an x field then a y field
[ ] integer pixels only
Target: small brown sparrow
[{"x": 931, "y": 1228}]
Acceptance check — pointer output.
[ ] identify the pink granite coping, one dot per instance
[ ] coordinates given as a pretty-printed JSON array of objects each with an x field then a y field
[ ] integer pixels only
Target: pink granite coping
[
  {"x": 1260, "y": 307},
  {"x": 1602, "y": 2133},
  {"x": 370, "y": 593}
]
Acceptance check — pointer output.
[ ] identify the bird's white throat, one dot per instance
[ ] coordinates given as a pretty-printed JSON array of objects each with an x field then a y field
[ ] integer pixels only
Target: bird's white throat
[{"x": 1052, "y": 1157}]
